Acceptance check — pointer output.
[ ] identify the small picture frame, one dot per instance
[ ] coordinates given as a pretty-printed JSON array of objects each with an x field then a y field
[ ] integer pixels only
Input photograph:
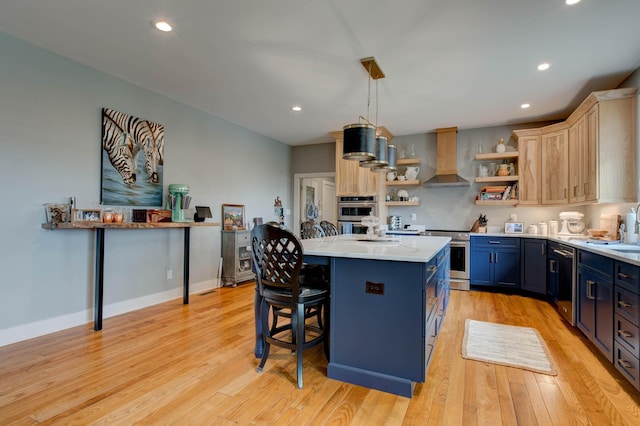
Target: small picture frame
[
  {"x": 513, "y": 227},
  {"x": 233, "y": 217},
  {"x": 57, "y": 213},
  {"x": 87, "y": 215}
]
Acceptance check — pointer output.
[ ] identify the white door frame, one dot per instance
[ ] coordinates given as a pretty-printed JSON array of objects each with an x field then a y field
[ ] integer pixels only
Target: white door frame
[{"x": 297, "y": 186}]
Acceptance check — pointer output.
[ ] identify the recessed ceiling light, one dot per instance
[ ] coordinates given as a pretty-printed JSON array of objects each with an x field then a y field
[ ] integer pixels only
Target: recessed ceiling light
[
  {"x": 543, "y": 66},
  {"x": 525, "y": 106},
  {"x": 162, "y": 26},
  {"x": 296, "y": 108},
  {"x": 572, "y": 2}
]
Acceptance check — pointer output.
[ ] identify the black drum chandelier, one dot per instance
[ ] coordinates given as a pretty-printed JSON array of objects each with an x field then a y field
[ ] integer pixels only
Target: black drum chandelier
[{"x": 362, "y": 141}]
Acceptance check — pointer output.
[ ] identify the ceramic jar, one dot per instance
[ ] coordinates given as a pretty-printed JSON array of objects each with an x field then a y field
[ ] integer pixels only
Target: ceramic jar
[{"x": 500, "y": 148}]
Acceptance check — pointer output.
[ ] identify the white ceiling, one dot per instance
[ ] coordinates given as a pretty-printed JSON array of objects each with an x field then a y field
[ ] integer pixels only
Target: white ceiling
[{"x": 465, "y": 63}]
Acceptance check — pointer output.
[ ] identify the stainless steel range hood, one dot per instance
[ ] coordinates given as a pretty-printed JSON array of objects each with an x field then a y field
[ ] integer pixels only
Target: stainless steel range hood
[{"x": 446, "y": 168}]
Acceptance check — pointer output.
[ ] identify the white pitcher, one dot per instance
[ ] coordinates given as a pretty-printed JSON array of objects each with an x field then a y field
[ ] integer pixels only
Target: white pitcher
[
  {"x": 391, "y": 176},
  {"x": 412, "y": 173}
]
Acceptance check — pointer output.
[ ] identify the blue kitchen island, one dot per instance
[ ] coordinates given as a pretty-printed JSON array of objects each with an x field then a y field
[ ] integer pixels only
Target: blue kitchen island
[{"x": 388, "y": 299}]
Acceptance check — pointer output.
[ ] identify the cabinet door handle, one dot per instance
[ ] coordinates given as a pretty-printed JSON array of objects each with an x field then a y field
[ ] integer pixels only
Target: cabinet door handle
[
  {"x": 552, "y": 266},
  {"x": 542, "y": 249},
  {"x": 494, "y": 242},
  {"x": 575, "y": 191},
  {"x": 623, "y": 275},
  {"x": 624, "y": 304},
  {"x": 565, "y": 193},
  {"x": 590, "y": 285},
  {"x": 495, "y": 258},
  {"x": 433, "y": 268},
  {"x": 624, "y": 363},
  {"x": 625, "y": 333},
  {"x": 586, "y": 187}
]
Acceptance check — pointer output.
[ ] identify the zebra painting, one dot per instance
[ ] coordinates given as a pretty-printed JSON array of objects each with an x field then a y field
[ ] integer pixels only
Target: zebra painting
[{"x": 124, "y": 137}]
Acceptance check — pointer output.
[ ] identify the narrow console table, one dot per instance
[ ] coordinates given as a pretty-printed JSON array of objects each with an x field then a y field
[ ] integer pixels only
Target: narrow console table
[{"x": 100, "y": 227}]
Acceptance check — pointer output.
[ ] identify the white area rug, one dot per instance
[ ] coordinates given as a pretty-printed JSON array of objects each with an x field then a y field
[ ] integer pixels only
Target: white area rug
[{"x": 509, "y": 345}]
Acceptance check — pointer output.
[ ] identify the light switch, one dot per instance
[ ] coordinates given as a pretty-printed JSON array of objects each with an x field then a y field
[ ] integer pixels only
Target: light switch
[{"x": 414, "y": 216}]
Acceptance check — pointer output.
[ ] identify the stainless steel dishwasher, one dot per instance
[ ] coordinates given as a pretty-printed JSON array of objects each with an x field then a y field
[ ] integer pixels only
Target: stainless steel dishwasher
[{"x": 561, "y": 285}]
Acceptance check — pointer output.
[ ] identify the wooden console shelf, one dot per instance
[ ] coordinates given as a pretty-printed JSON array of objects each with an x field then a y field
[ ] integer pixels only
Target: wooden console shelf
[
  {"x": 408, "y": 162},
  {"x": 99, "y": 228}
]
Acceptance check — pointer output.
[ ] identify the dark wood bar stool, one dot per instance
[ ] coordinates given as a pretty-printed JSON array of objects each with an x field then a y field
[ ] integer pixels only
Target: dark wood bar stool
[{"x": 277, "y": 257}]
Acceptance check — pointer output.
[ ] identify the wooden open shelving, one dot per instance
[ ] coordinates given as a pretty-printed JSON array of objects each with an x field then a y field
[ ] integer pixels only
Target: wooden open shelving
[
  {"x": 414, "y": 182},
  {"x": 494, "y": 179},
  {"x": 402, "y": 203}
]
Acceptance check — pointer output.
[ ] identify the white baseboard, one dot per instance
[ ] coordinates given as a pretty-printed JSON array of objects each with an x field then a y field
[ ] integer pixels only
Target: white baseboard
[{"x": 51, "y": 325}]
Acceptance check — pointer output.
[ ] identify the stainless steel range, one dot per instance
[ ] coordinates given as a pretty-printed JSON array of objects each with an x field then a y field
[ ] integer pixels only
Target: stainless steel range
[{"x": 460, "y": 247}]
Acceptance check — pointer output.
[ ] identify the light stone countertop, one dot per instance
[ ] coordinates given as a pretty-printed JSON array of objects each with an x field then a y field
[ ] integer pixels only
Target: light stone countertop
[
  {"x": 580, "y": 242},
  {"x": 406, "y": 248}
]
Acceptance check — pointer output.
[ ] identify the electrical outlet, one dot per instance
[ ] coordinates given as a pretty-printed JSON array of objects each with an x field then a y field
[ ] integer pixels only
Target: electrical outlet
[
  {"x": 169, "y": 273},
  {"x": 414, "y": 216}
]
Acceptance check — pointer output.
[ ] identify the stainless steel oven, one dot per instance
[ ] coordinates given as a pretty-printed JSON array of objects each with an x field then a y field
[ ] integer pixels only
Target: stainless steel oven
[
  {"x": 460, "y": 247},
  {"x": 351, "y": 210}
]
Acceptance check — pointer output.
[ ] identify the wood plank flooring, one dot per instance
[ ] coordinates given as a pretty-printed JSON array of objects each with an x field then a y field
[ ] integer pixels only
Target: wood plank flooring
[{"x": 194, "y": 364}]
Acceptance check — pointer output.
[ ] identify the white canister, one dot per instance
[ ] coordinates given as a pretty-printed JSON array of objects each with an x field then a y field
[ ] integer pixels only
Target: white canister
[
  {"x": 553, "y": 227},
  {"x": 632, "y": 237},
  {"x": 532, "y": 229},
  {"x": 543, "y": 227}
]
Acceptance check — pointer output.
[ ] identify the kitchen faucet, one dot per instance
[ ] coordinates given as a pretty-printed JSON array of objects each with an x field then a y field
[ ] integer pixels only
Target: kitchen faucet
[{"x": 637, "y": 224}]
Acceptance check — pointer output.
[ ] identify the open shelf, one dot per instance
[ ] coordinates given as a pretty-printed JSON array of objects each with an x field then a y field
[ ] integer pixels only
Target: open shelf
[
  {"x": 402, "y": 203},
  {"x": 496, "y": 202},
  {"x": 490, "y": 179},
  {"x": 497, "y": 156},
  {"x": 408, "y": 162},
  {"x": 403, "y": 182}
]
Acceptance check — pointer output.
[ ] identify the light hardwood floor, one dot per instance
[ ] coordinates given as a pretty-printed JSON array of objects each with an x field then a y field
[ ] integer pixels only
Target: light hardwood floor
[{"x": 194, "y": 364}]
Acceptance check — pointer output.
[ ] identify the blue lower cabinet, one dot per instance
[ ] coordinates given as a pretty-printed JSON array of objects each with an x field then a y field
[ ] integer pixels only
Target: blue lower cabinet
[
  {"x": 534, "y": 265},
  {"x": 495, "y": 261},
  {"x": 594, "y": 316},
  {"x": 384, "y": 322}
]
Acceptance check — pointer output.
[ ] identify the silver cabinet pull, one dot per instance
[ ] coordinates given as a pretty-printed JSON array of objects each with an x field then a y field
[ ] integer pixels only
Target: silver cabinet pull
[
  {"x": 624, "y": 363},
  {"x": 552, "y": 266},
  {"x": 623, "y": 275},
  {"x": 625, "y": 333},
  {"x": 494, "y": 242},
  {"x": 590, "y": 285},
  {"x": 432, "y": 268},
  {"x": 496, "y": 258},
  {"x": 624, "y": 304}
]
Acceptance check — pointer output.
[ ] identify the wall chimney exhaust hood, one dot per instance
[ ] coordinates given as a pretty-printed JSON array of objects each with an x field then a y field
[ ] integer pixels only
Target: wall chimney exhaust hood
[{"x": 446, "y": 168}]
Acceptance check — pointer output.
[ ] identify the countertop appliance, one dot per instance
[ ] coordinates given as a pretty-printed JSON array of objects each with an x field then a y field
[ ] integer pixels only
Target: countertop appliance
[
  {"x": 561, "y": 280},
  {"x": 572, "y": 223}
]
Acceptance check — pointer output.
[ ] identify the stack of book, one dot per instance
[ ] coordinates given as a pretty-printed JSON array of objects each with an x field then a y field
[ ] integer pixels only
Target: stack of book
[{"x": 499, "y": 192}]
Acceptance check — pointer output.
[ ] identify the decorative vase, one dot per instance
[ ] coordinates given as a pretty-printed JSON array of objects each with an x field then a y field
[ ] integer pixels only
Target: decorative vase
[{"x": 500, "y": 148}]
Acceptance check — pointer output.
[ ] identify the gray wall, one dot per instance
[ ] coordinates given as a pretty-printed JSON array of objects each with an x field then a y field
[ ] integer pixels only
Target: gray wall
[
  {"x": 50, "y": 149},
  {"x": 318, "y": 158}
]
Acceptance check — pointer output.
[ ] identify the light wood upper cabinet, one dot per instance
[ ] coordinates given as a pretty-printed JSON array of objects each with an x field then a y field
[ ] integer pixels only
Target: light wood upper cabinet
[
  {"x": 612, "y": 122},
  {"x": 578, "y": 162},
  {"x": 351, "y": 179},
  {"x": 530, "y": 185},
  {"x": 555, "y": 175},
  {"x": 590, "y": 157}
]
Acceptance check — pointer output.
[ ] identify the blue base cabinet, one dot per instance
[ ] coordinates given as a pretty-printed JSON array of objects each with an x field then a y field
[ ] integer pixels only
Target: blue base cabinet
[
  {"x": 385, "y": 317},
  {"x": 594, "y": 315},
  {"x": 534, "y": 265},
  {"x": 626, "y": 298},
  {"x": 495, "y": 261}
]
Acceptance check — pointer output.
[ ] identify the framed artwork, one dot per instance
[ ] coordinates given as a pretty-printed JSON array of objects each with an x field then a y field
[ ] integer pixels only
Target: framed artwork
[
  {"x": 87, "y": 215},
  {"x": 132, "y": 160},
  {"x": 57, "y": 213},
  {"x": 513, "y": 227},
  {"x": 233, "y": 217}
]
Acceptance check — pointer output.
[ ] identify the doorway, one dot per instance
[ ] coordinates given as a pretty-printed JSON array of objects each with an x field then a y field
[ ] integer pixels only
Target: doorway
[{"x": 314, "y": 197}]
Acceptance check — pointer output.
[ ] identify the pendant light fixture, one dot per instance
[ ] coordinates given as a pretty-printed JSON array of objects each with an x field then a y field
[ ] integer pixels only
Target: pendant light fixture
[
  {"x": 359, "y": 140},
  {"x": 381, "y": 145}
]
